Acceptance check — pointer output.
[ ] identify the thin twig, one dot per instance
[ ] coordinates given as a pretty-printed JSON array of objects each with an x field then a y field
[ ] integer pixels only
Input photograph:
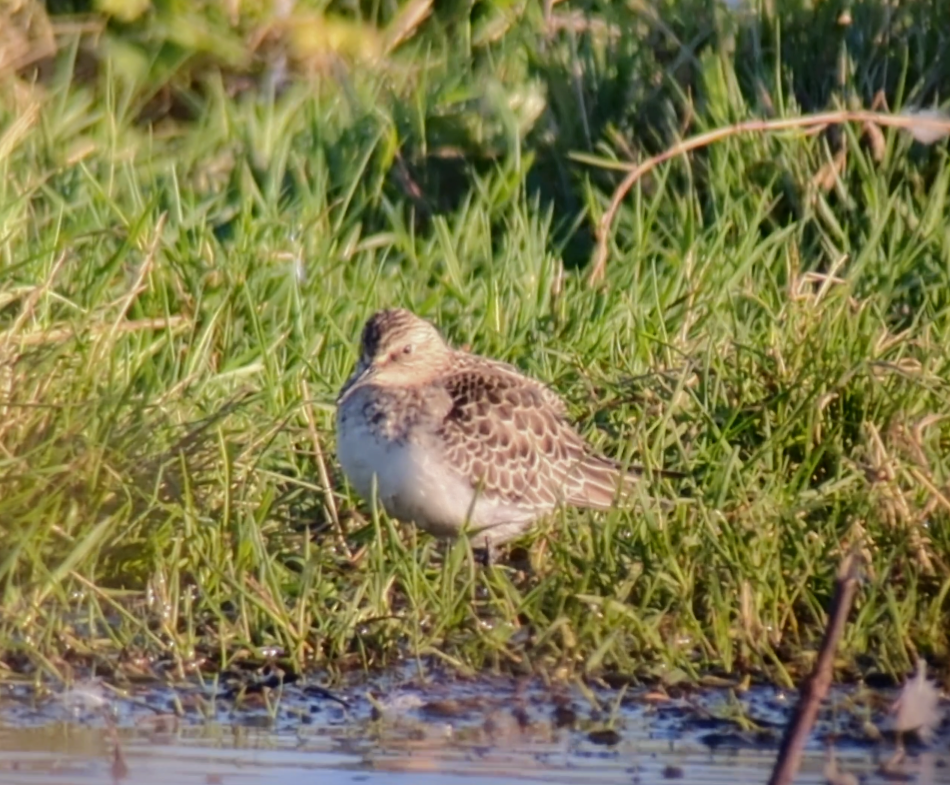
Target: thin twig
[
  {"x": 815, "y": 688},
  {"x": 59, "y": 334},
  {"x": 139, "y": 285},
  {"x": 19, "y": 129},
  {"x": 324, "y": 475},
  {"x": 814, "y": 121},
  {"x": 406, "y": 23},
  {"x": 31, "y": 302}
]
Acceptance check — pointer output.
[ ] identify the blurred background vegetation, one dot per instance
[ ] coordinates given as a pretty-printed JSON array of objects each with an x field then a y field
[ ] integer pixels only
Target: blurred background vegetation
[{"x": 464, "y": 87}]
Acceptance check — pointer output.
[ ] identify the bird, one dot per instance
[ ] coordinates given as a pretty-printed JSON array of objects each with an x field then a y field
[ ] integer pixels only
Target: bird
[{"x": 457, "y": 443}]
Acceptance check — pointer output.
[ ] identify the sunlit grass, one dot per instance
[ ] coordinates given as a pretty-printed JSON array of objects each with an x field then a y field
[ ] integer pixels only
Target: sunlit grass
[{"x": 181, "y": 301}]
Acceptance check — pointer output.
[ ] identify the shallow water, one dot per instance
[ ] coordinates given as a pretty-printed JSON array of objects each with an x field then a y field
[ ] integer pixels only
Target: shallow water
[{"x": 434, "y": 731}]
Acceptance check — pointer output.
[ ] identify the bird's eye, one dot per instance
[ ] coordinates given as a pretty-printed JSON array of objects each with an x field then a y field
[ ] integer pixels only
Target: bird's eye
[{"x": 397, "y": 354}]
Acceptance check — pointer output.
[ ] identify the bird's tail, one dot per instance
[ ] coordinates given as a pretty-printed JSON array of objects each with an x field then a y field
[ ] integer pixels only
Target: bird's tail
[{"x": 598, "y": 482}]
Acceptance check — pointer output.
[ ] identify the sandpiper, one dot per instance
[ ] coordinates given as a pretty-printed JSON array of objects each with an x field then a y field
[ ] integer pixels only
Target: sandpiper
[{"x": 455, "y": 442}]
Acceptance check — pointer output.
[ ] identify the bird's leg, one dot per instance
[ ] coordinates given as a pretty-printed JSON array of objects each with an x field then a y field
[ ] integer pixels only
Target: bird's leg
[{"x": 487, "y": 555}]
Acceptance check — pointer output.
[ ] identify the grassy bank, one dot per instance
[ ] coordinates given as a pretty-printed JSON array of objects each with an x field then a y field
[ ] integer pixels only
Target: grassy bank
[{"x": 193, "y": 230}]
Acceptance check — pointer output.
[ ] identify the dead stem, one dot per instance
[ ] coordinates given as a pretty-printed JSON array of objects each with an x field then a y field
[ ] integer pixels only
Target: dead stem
[
  {"x": 814, "y": 122},
  {"x": 815, "y": 688}
]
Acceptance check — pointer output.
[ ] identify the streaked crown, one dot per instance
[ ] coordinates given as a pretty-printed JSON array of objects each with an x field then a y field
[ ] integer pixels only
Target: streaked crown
[{"x": 397, "y": 335}]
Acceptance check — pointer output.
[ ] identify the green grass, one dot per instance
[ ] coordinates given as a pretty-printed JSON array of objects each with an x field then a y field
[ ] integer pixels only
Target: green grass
[{"x": 182, "y": 293}]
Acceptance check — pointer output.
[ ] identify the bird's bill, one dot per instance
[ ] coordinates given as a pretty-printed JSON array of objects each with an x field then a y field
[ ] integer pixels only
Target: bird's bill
[{"x": 360, "y": 375}]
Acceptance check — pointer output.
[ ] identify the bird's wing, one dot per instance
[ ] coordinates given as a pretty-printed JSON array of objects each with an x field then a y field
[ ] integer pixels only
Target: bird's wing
[
  {"x": 506, "y": 434},
  {"x": 484, "y": 366}
]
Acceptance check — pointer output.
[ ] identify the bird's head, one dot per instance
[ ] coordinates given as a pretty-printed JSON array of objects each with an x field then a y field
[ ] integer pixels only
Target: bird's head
[{"x": 397, "y": 348}]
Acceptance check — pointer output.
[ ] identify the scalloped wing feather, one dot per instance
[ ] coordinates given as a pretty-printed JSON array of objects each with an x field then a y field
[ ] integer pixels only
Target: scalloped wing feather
[{"x": 509, "y": 435}]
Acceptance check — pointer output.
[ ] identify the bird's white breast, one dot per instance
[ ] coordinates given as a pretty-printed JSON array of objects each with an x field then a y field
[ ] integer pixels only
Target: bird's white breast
[
  {"x": 406, "y": 467},
  {"x": 408, "y": 476}
]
